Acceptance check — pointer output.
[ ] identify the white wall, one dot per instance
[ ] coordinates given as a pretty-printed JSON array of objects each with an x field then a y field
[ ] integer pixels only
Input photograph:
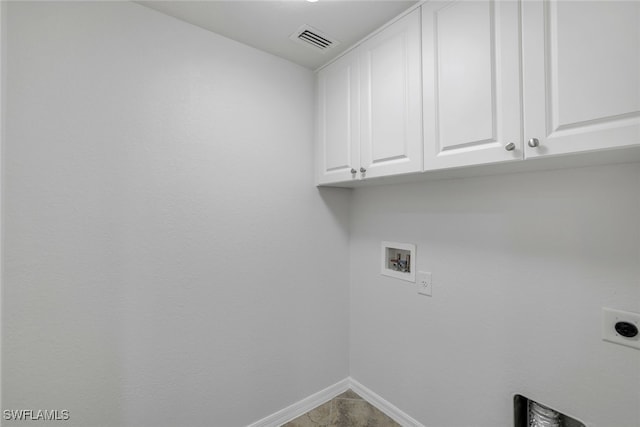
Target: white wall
[
  {"x": 168, "y": 259},
  {"x": 522, "y": 265}
]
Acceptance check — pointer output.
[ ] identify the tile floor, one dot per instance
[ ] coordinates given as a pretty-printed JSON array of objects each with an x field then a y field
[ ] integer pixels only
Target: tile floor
[{"x": 345, "y": 410}]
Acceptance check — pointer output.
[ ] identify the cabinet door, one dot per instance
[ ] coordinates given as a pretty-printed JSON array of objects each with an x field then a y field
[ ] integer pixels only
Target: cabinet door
[
  {"x": 338, "y": 139},
  {"x": 581, "y": 75},
  {"x": 391, "y": 121},
  {"x": 471, "y": 77}
]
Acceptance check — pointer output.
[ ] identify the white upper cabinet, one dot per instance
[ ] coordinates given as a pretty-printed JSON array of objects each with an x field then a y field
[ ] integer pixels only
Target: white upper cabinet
[
  {"x": 581, "y": 62},
  {"x": 338, "y": 139},
  {"x": 471, "y": 78},
  {"x": 468, "y": 82},
  {"x": 370, "y": 107},
  {"x": 391, "y": 100}
]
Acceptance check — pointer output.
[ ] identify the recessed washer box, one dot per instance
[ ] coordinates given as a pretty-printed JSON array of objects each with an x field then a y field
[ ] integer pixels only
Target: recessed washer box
[{"x": 399, "y": 260}]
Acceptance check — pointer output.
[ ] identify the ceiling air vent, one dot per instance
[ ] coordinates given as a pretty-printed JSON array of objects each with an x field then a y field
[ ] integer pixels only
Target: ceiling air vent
[{"x": 314, "y": 38}]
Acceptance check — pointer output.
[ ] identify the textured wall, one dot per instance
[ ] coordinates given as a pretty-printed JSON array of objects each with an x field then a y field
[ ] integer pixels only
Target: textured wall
[
  {"x": 168, "y": 260},
  {"x": 522, "y": 265}
]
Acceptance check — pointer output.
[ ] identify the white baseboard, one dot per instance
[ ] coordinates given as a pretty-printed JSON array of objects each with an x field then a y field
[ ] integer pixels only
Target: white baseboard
[
  {"x": 385, "y": 406},
  {"x": 303, "y": 406}
]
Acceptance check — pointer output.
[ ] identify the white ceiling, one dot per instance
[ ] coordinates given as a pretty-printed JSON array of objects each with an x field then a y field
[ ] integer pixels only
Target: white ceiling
[{"x": 267, "y": 24}]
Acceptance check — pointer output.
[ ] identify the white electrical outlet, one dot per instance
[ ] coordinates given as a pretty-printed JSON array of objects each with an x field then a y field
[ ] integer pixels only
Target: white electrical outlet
[
  {"x": 621, "y": 327},
  {"x": 425, "y": 286}
]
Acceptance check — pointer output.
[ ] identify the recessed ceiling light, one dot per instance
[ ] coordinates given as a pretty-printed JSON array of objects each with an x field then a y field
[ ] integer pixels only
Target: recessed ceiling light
[{"x": 312, "y": 1}]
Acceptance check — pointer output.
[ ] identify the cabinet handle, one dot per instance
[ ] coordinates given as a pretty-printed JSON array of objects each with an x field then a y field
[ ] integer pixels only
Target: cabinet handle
[
  {"x": 353, "y": 170},
  {"x": 533, "y": 142},
  {"x": 363, "y": 170},
  {"x": 510, "y": 146}
]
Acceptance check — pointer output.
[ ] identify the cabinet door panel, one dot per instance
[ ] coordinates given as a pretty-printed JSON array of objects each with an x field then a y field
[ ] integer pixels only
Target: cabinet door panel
[
  {"x": 338, "y": 122},
  {"x": 391, "y": 132},
  {"x": 471, "y": 82},
  {"x": 582, "y": 75}
]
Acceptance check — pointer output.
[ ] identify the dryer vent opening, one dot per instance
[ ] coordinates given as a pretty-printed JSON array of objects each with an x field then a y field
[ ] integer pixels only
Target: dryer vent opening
[{"x": 528, "y": 413}]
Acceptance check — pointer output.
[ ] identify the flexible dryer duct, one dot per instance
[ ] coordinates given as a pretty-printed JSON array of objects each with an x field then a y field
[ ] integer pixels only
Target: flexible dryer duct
[{"x": 541, "y": 416}]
